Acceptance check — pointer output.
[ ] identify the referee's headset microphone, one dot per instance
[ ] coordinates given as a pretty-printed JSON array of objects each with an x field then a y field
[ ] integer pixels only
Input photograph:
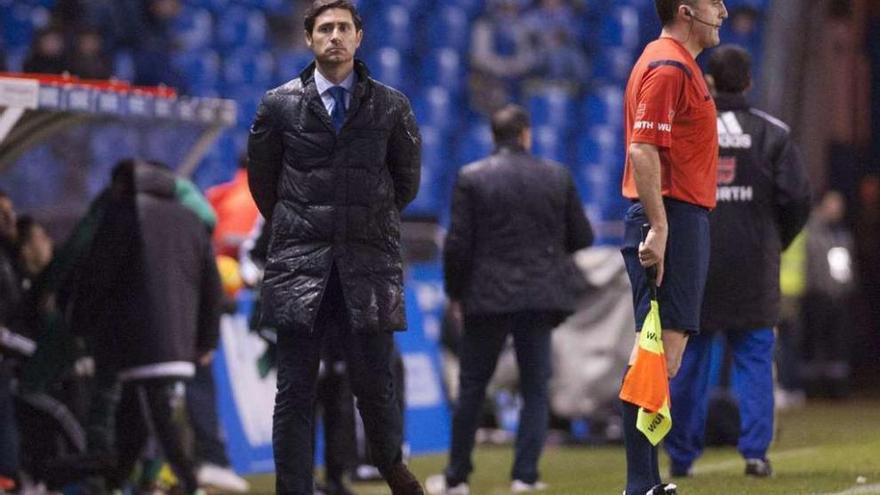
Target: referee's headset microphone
[{"x": 690, "y": 13}]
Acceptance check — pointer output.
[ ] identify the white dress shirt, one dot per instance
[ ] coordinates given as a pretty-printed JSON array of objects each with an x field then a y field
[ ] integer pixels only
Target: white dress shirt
[{"x": 323, "y": 89}]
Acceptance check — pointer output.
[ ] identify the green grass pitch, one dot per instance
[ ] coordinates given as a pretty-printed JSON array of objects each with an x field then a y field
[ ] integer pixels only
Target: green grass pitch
[{"x": 826, "y": 448}]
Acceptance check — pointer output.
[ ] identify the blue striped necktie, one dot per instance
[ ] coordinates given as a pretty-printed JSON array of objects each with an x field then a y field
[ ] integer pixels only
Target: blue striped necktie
[{"x": 337, "y": 116}]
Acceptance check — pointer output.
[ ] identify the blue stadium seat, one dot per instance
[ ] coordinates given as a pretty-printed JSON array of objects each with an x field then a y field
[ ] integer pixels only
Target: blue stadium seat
[
  {"x": 193, "y": 28},
  {"x": 550, "y": 142},
  {"x": 200, "y": 69},
  {"x": 436, "y": 107},
  {"x": 476, "y": 143},
  {"x": 109, "y": 144},
  {"x": 248, "y": 67},
  {"x": 15, "y": 58},
  {"x": 393, "y": 27},
  {"x": 219, "y": 163},
  {"x": 608, "y": 142},
  {"x": 449, "y": 28},
  {"x": 248, "y": 99},
  {"x": 239, "y": 27},
  {"x": 218, "y": 7},
  {"x": 443, "y": 67},
  {"x": 620, "y": 27},
  {"x": 433, "y": 191},
  {"x": 613, "y": 64},
  {"x": 554, "y": 107},
  {"x": 386, "y": 65},
  {"x": 19, "y": 21},
  {"x": 472, "y": 8},
  {"x": 603, "y": 106},
  {"x": 289, "y": 63}
]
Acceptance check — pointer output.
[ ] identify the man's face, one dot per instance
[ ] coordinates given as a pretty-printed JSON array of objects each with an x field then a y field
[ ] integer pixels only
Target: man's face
[
  {"x": 37, "y": 251},
  {"x": 334, "y": 39},
  {"x": 712, "y": 12},
  {"x": 7, "y": 219}
]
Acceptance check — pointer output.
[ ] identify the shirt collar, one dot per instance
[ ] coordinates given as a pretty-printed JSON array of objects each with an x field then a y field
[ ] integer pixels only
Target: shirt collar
[{"x": 323, "y": 84}]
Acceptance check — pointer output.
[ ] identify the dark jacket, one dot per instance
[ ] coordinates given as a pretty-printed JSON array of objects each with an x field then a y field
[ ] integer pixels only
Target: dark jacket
[
  {"x": 10, "y": 286},
  {"x": 763, "y": 202},
  {"x": 334, "y": 199},
  {"x": 149, "y": 292},
  {"x": 515, "y": 221}
]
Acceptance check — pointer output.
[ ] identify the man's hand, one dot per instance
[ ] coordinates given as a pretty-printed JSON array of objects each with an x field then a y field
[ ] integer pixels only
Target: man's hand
[{"x": 652, "y": 251}]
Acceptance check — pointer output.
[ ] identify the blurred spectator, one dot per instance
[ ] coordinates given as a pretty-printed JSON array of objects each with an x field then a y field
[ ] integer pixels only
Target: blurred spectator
[
  {"x": 562, "y": 61},
  {"x": 826, "y": 303},
  {"x": 236, "y": 211},
  {"x": 150, "y": 295},
  {"x": 34, "y": 250},
  {"x": 501, "y": 55},
  {"x": 10, "y": 296},
  {"x": 88, "y": 60},
  {"x": 154, "y": 44},
  {"x": 47, "y": 54},
  {"x": 551, "y": 17},
  {"x": 34, "y": 247}
]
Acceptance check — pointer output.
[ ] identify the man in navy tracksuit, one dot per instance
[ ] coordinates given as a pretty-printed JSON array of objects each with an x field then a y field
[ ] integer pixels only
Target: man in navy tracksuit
[{"x": 763, "y": 202}]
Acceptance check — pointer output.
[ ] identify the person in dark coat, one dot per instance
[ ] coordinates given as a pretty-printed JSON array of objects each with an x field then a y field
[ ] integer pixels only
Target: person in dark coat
[
  {"x": 763, "y": 202},
  {"x": 149, "y": 298},
  {"x": 334, "y": 156},
  {"x": 516, "y": 220},
  {"x": 10, "y": 301}
]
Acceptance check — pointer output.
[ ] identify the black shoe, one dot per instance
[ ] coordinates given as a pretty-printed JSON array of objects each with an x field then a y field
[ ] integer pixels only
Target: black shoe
[
  {"x": 663, "y": 489},
  {"x": 759, "y": 468},
  {"x": 402, "y": 482}
]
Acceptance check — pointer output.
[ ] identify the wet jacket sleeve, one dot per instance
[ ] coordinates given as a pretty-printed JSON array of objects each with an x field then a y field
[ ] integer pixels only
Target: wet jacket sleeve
[
  {"x": 791, "y": 192},
  {"x": 579, "y": 233},
  {"x": 405, "y": 157},
  {"x": 265, "y": 153},
  {"x": 458, "y": 249}
]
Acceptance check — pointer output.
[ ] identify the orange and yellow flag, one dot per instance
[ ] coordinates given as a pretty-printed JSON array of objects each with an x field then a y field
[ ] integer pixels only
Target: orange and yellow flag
[{"x": 647, "y": 382}]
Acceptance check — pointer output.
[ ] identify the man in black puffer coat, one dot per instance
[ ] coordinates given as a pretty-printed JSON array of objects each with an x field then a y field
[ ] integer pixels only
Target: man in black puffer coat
[
  {"x": 334, "y": 156},
  {"x": 516, "y": 220}
]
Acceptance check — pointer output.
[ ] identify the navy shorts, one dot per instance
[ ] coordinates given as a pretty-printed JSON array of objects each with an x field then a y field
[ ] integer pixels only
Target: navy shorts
[{"x": 685, "y": 268}]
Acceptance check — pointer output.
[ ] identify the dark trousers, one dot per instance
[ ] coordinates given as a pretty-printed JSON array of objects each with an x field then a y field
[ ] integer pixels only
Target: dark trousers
[
  {"x": 483, "y": 340},
  {"x": 368, "y": 359},
  {"x": 201, "y": 408},
  {"x": 153, "y": 406},
  {"x": 336, "y": 407},
  {"x": 8, "y": 426}
]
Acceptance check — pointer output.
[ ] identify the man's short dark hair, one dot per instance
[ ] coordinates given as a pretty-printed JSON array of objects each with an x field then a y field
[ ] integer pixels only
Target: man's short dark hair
[
  {"x": 731, "y": 68},
  {"x": 508, "y": 123},
  {"x": 319, "y": 6},
  {"x": 666, "y": 9},
  {"x": 3, "y": 194}
]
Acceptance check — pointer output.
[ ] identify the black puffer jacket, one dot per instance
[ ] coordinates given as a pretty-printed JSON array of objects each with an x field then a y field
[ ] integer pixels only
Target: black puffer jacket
[
  {"x": 515, "y": 221},
  {"x": 334, "y": 199}
]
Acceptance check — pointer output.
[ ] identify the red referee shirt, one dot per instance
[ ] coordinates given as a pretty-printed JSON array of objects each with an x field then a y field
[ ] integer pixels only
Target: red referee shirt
[{"x": 668, "y": 105}]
